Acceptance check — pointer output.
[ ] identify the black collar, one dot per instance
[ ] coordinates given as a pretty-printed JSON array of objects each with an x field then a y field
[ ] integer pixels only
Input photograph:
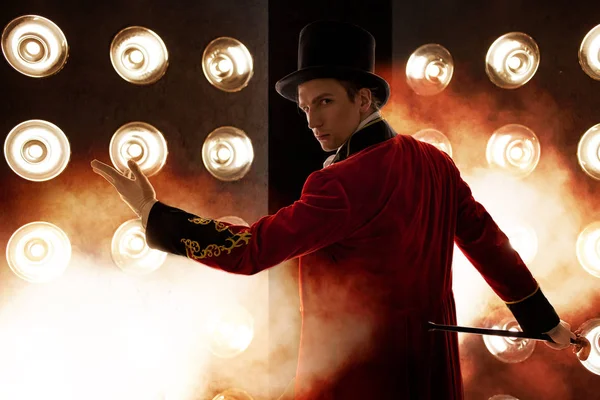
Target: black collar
[{"x": 373, "y": 133}]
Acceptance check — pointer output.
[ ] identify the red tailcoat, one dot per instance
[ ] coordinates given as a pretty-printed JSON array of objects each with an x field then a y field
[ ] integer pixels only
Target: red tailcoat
[{"x": 374, "y": 232}]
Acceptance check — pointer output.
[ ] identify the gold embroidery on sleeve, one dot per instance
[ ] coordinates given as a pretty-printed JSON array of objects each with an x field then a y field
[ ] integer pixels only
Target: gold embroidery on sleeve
[
  {"x": 200, "y": 220},
  {"x": 195, "y": 252},
  {"x": 219, "y": 226}
]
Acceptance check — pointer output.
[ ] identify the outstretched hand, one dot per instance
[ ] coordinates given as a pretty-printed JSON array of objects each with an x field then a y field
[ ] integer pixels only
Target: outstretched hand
[{"x": 136, "y": 192}]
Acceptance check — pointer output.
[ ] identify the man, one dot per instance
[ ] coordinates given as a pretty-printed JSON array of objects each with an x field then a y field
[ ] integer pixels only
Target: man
[{"x": 374, "y": 230}]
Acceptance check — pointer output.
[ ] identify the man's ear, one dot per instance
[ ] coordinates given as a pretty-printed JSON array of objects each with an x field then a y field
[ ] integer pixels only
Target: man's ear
[{"x": 365, "y": 99}]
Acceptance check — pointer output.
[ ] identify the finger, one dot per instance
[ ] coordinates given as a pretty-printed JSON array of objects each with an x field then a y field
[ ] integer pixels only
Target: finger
[
  {"x": 136, "y": 170},
  {"x": 128, "y": 174},
  {"x": 108, "y": 170},
  {"x": 106, "y": 176},
  {"x": 99, "y": 165}
]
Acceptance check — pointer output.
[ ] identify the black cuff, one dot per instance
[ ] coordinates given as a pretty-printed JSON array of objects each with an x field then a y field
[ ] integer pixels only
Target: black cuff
[{"x": 535, "y": 314}]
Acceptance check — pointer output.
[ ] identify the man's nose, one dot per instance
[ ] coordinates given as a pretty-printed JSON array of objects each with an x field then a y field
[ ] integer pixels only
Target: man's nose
[{"x": 314, "y": 120}]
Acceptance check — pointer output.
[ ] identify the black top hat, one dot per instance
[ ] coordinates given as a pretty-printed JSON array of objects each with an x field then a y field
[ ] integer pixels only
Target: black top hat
[{"x": 329, "y": 49}]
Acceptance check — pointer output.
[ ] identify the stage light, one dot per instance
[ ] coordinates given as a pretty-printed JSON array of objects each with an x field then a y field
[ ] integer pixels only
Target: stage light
[
  {"x": 514, "y": 148},
  {"x": 37, "y": 150},
  {"x": 229, "y": 331},
  {"x": 512, "y": 60},
  {"x": 429, "y": 69},
  {"x": 34, "y": 46},
  {"x": 231, "y": 219},
  {"x": 588, "y": 152},
  {"x": 233, "y": 394},
  {"x": 436, "y": 138},
  {"x": 227, "y": 64},
  {"x": 38, "y": 252},
  {"x": 227, "y": 153},
  {"x": 506, "y": 349},
  {"x": 139, "y": 55},
  {"x": 140, "y": 142},
  {"x": 523, "y": 239},
  {"x": 588, "y": 249},
  {"x": 131, "y": 253},
  {"x": 591, "y": 331},
  {"x": 589, "y": 53}
]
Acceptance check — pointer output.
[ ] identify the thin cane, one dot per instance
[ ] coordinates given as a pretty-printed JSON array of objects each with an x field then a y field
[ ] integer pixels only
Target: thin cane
[{"x": 582, "y": 345}]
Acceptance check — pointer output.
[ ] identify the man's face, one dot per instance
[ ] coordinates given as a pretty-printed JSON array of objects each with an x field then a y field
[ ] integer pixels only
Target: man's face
[{"x": 330, "y": 114}]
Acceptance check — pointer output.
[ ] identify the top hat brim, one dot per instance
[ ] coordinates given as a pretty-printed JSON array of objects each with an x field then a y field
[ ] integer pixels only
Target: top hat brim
[{"x": 288, "y": 85}]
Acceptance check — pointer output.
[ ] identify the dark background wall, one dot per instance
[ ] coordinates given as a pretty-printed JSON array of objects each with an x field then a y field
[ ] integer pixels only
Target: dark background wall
[{"x": 293, "y": 151}]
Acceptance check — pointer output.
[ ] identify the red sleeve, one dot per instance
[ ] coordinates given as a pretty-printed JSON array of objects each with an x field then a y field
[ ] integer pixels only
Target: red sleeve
[
  {"x": 317, "y": 220},
  {"x": 489, "y": 250}
]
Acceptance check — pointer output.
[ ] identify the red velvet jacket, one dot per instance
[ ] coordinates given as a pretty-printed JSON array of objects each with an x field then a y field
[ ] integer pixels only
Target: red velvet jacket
[{"x": 374, "y": 232}]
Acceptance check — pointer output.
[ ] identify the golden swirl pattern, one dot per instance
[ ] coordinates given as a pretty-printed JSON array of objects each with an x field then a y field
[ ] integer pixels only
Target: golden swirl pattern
[
  {"x": 195, "y": 252},
  {"x": 219, "y": 226},
  {"x": 200, "y": 220}
]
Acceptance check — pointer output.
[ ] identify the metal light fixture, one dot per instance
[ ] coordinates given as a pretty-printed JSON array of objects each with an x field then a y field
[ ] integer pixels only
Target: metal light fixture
[
  {"x": 429, "y": 69},
  {"x": 130, "y": 252},
  {"x": 588, "y": 249},
  {"x": 589, "y": 53},
  {"x": 512, "y": 60},
  {"x": 233, "y": 220},
  {"x": 514, "y": 148},
  {"x": 38, "y": 252},
  {"x": 591, "y": 331},
  {"x": 227, "y": 153},
  {"x": 588, "y": 152},
  {"x": 34, "y": 46},
  {"x": 523, "y": 239},
  {"x": 140, "y": 142},
  {"x": 436, "y": 138},
  {"x": 506, "y": 349},
  {"x": 233, "y": 394},
  {"x": 37, "y": 150},
  {"x": 229, "y": 331},
  {"x": 227, "y": 64},
  {"x": 139, "y": 55}
]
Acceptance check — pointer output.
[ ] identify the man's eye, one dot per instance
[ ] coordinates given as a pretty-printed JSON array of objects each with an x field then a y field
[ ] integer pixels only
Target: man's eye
[{"x": 326, "y": 101}]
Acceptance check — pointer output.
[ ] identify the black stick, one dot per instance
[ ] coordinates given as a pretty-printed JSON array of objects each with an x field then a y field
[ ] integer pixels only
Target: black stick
[{"x": 493, "y": 332}]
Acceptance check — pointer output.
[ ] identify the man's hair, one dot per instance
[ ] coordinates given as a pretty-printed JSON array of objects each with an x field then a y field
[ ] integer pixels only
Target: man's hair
[{"x": 352, "y": 89}]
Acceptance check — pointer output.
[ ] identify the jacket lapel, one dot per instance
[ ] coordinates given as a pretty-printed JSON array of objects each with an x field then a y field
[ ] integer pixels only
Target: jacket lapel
[{"x": 373, "y": 133}]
